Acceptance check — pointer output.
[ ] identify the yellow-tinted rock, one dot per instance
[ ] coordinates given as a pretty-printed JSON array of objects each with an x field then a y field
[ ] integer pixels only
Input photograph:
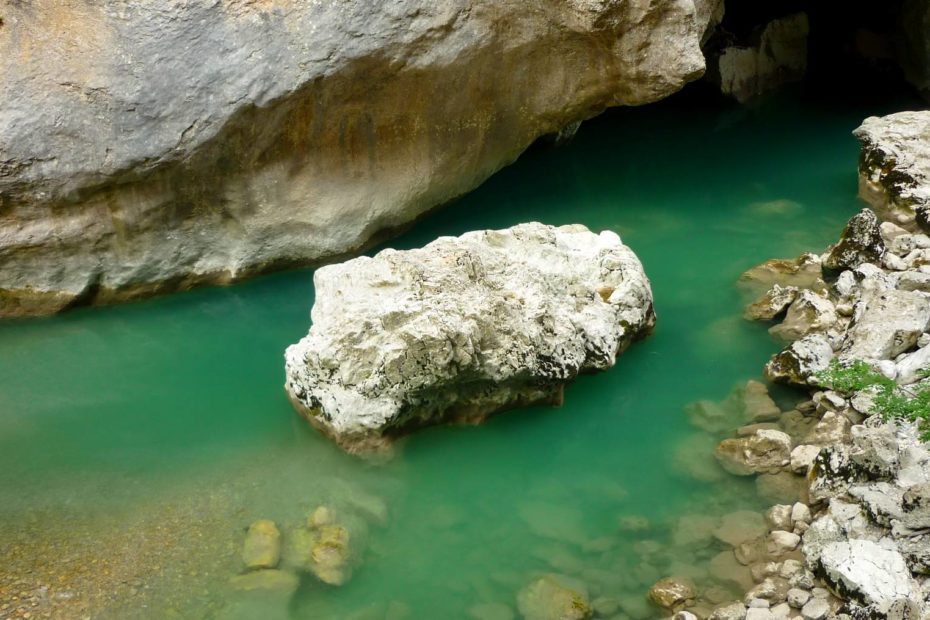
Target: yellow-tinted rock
[{"x": 262, "y": 547}]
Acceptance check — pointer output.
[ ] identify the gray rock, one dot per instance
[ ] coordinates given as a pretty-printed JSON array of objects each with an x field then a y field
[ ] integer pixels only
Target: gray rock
[
  {"x": 161, "y": 145},
  {"x": 880, "y": 499},
  {"x": 797, "y": 597},
  {"x": 894, "y": 166},
  {"x": 733, "y": 611},
  {"x": 815, "y": 609},
  {"x": 809, "y": 312},
  {"x": 915, "y": 504},
  {"x": 800, "y": 513},
  {"x": 797, "y": 364},
  {"x": 462, "y": 328},
  {"x": 802, "y": 272},
  {"x": 914, "y": 281},
  {"x": 781, "y": 542},
  {"x": 832, "y": 429},
  {"x": 870, "y": 573},
  {"x": 779, "y": 517},
  {"x": 767, "y": 451},
  {"x": 886, "y": 324},
  {"x": 861, "y": 242},
  {"x": 909, "y": 369},
  {"x": 772, "y": 303},
  {"x": 802, "y": 457}
]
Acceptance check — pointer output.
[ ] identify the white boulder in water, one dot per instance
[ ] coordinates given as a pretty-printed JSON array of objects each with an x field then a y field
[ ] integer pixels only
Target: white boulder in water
[{"x": 462, "y": 328}]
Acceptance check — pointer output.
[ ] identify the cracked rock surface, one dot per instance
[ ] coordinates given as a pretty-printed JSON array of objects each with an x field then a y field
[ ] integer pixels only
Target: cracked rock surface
[{"x": 462, "y": 328}]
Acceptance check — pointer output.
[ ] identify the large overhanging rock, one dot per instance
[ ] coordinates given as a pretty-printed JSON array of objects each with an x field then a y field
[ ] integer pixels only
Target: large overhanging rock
[
  {"x": 150, "y": 146},
  {"x": 462, "y": 328}
]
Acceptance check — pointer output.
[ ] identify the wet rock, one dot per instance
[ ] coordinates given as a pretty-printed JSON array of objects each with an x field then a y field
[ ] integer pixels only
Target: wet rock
[
  {"x": 767, "y": 451},
  {"x": 797, "y": 364},
  {"x": 757, "y": 613},
  {"x": 860, "y": 242},
  {"x": 463, "y": 328},
  {"x": 914, "y": 281},
  {"x": 672, "y": 592},
  {"x": 874, "y": 575},
  {"x": 886, "y": 325},
  {"x": 554, "y": 597},
  {"x": 772, "y": 303},
  {"x": 809, "y": 312},
  {"x": 262, "y": 546},
  {"x": 214, "y": 161},
  {"x": 757, "y": 403},
  {"x": 803, "y": 272},
  {"x": 779, "y": 57}
]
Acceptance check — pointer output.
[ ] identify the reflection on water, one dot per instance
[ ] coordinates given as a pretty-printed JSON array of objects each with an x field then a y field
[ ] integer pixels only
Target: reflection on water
[{"x": 138, "y": 443}]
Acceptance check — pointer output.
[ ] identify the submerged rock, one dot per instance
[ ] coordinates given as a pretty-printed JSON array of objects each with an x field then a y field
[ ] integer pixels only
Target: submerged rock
[
  {"x": 801, "y": 272},
  {"x": 262, "y": 547},
  {"x": 672, "y": 593},
  {"x": 766, "y": 451},
  {"x": 163, "y": 145},
  {"x": 462, "y": 328},
  {"x": 554, "y": 597}
]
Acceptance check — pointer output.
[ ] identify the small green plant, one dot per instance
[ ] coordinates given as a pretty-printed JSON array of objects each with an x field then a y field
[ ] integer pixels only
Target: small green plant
[{"x": 892, "y": 401}]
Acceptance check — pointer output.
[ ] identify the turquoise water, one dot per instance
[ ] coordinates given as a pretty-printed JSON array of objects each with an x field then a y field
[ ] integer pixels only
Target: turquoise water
[{"x": 137, "y": 442}]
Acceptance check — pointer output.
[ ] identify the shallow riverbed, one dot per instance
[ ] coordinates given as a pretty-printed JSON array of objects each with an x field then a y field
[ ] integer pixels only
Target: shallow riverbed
[{"x": 138, "y": 442}]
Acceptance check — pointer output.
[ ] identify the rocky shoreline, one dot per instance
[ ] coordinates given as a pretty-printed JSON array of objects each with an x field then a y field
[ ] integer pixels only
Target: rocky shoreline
[{"x": 856, "y": 543}]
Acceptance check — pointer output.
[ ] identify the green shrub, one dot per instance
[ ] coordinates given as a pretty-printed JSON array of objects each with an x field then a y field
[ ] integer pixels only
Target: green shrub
[{"x": 892, "y": 401}]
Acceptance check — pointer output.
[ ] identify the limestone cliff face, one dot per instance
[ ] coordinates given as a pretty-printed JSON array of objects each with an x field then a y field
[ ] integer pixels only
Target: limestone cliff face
[{"x": 152, "y": 146}]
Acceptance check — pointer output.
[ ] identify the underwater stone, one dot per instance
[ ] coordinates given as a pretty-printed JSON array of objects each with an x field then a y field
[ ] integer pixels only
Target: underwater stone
[
  {"x": 462, "y": 328},
  {"x": 554, "y": 597},
  {"x": 262, "y": 547}
]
